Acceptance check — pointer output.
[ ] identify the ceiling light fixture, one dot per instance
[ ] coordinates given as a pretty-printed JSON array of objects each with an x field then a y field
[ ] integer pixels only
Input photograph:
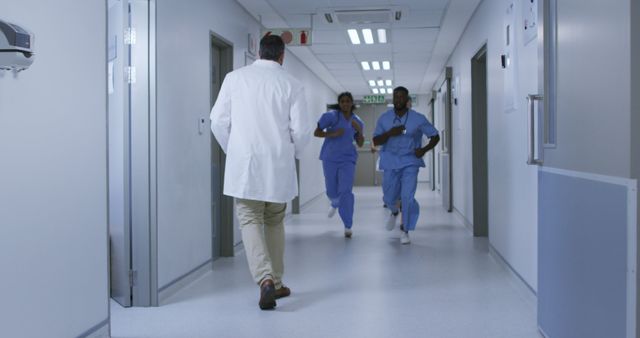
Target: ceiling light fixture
[
  {"x": 368, "y": 36},
  {"x": 389, "y": 91},
  {"x": 386, "y": 65},
  {"x": 375, "y": 65},
  {"x": 382, "y": 35},
  {"x": 372, "y": 83},
  {"x": 375, "y": 91},
  {"x": 388, "y": 82},
  {"x": 353, "y": 35},
  {"x": 380, "y": 83},
  {"x": 365, "y": 65}
]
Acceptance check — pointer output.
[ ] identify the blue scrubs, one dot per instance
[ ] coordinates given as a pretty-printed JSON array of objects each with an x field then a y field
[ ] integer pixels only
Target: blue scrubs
[
  {"x": 339, "y": 157},
  {"x": 400, "y": 164}
]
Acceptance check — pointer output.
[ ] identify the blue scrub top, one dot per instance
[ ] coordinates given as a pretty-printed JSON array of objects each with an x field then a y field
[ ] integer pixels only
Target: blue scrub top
[
  {"x": 339, "y": 149},
  {"x": 399, "y": 151}
]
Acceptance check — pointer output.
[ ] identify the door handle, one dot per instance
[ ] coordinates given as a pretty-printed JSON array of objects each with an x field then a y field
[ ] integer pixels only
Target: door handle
[{"x": 531, "y": 131}]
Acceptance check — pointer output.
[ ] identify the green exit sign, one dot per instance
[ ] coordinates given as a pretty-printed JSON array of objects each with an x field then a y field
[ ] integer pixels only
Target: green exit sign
[{"x": 373, "y": 99}]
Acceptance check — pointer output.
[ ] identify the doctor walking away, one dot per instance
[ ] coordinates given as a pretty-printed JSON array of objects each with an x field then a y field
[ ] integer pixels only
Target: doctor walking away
[
  {"x": 400, "y": 131},
  {"x": 259, "y": 120},
  {"x": 339, "y": 128}
]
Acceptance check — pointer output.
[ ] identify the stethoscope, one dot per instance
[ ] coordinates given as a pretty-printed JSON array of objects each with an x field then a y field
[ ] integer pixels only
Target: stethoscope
[{"x": 399, "y": 120}]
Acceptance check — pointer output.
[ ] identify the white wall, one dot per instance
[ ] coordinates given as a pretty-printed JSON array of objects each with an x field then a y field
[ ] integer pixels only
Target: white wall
[
  {"x": 184, "y": 221},
  {"x": 512, "y": 184},
  {"x": 53, "y": 174}
]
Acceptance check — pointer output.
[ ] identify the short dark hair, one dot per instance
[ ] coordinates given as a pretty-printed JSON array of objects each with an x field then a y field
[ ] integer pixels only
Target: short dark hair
[
  {"x": 271, "y": 47},
  {"x": 402, "y": 89}
]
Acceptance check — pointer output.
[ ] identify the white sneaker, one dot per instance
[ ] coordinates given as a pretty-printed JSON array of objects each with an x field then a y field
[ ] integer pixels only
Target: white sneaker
[
  {"x": 347, "y": 233},
  {"x": 391, "y": 221},
  {"x": 331, "y": 212},
  {"x": 404, "y": 238}
]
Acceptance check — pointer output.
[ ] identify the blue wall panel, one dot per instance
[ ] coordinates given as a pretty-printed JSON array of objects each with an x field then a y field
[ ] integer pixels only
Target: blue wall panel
[{"x": 582, "y": 247}]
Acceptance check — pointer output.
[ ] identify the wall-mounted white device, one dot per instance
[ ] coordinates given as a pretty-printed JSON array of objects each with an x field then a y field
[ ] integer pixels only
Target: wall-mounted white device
[{"x": 16, "y": 47}]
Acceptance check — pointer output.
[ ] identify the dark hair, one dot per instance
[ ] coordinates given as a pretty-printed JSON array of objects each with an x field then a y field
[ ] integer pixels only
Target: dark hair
[
  {"x": 346, "y": 94},
  {"x": 271, "y": 47},
  {"x": 401, "y": 89}
]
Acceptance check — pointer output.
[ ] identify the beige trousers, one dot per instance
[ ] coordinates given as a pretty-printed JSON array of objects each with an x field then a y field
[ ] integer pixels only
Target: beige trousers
[{"x": 262, "y": 227}]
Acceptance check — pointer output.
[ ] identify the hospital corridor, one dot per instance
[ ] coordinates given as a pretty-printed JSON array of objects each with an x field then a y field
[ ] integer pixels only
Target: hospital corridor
[{"x": 319, "y": 168}]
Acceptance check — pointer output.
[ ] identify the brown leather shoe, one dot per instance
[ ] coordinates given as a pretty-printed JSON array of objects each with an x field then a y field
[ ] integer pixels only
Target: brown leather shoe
[
  {"x": 283, "y": 292},
  {"x": 267, "y": 295}
]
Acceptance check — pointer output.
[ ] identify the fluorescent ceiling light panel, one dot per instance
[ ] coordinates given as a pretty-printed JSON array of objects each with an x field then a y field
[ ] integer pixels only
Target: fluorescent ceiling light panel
[
  {"x": 372, "y": 83},
  {"x": 353, "y": 35},
  {"x": 386, "y": 65},
  {"x": 389, "y": 91},
  {"x": 375, "y": 65},
  {"x": 365, "y": 65},
  {"x": 380, "y": 83},
  {"x": 368, "y": 36},
  {"x": 375, "y": 91},
  {"x": 382, "y": 35},
  {"x": 388, "y": 82}
]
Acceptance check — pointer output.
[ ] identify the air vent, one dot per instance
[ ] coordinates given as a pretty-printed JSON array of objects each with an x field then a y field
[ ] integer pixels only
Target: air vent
[{"x": 363, "y": 16}]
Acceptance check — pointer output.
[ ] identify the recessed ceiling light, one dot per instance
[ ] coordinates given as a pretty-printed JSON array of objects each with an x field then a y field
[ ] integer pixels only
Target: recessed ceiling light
[
  {"x": 389, "y": 91},
  {"x": 388, "y": 82},
  {"x": 375, "y": 65},
  {"x": 372, "y": 83},
  {"x": 368, "y": 36},
  {"x": 353, "y": 35},
  {"x": 375, "y": 91},
  {"x": 382, "y": 35},
  {"x": 380, "y": 83},
  {"x": 365, "y": 65},
  {"x": 386, "y": 65}
]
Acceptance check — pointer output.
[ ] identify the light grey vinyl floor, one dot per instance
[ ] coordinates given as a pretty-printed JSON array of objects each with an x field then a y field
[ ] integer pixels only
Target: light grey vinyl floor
[{"x": 444, "y": 284}]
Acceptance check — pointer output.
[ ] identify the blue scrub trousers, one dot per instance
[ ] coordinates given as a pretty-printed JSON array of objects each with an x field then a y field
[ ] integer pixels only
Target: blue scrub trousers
[
  {"x": 338, "y": 180},
  {"x": 401, "y": 184}
]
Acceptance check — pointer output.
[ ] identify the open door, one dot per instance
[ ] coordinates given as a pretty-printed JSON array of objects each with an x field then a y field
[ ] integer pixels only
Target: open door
[
  {"x": 131, "y": 152},
  {"x": 119, "y": 178}
]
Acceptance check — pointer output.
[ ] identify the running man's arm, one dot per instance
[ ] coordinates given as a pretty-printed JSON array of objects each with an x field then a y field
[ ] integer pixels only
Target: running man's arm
[{"x": 432, "y": 133}]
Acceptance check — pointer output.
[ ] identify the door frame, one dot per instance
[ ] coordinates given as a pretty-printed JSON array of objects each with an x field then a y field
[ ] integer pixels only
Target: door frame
[
  {"x": 222, "y": 237},
  {"x": 144, "y": 184},
  {"x": 432, "y": 117},
  {"x": 141, "y": 158},
  {"x": 447, "y": 138},
  {"x": 479, "y": 136}
]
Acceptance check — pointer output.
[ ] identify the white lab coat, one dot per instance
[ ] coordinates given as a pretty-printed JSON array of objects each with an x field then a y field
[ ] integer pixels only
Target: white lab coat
[{"x": 260, "y": 120}]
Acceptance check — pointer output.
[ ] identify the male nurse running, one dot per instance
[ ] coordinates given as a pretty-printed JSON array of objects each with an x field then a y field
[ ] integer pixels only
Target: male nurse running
[{"x": 399, "y": 131}]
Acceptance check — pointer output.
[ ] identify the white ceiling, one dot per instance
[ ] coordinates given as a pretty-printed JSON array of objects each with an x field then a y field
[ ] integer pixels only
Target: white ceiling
[{"x": 418, "y": 46}]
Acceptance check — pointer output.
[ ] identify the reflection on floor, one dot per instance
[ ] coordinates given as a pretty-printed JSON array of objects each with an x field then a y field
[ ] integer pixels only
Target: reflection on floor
[{"x": 444, "y": 284}]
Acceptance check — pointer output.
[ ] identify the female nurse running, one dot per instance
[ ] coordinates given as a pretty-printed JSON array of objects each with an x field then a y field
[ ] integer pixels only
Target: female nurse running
[{"x": 340, "y": 128}]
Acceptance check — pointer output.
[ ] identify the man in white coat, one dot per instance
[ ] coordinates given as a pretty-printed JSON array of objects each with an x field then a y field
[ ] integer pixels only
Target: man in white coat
[{"x": 261, "y": 123}]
